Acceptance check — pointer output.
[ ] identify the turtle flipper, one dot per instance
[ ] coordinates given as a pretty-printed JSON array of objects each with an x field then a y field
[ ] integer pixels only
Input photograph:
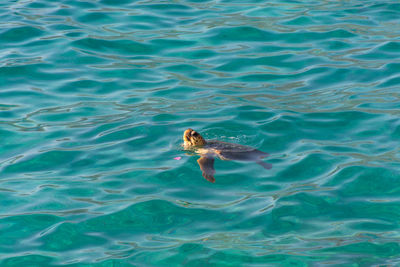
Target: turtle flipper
[
  {"x": 264, "y": 164},
  {"x": 207, "y": 167},
  {"x": 252, "y": 155}
]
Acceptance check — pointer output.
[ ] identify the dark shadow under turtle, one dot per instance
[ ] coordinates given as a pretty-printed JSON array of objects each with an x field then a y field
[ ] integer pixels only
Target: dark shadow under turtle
[{"x": 210, "y": 149}]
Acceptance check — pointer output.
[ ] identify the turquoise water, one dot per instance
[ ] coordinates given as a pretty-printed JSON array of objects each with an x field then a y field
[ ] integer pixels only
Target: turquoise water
[{"x": 94, "y": 99}]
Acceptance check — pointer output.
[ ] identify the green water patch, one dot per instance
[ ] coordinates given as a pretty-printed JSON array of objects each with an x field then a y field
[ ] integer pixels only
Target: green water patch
[
  {"x": 21, "y": 34},
  {"x": 96, "y": 18},
  {"x": 359, "y": 250},
  {"x": 67, "y": 238},
  {"x": 241, "y": 34},
  {"x": 194, "y": 54},
  {"x": 242, "y": 63},
  {"x": 122, "y": 47},
  {"x": 43, "y": 161},
  {"x": 311, "y": 166},
  {"x": 135, "y": 220},
  {"x": 33, "y": 260},
  {"x": 27, "y": 226},
  {"x": 373, "y": 183}
]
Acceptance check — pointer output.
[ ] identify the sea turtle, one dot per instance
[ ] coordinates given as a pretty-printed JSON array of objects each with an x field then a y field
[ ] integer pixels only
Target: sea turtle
[{"x": 210, "y": 149}]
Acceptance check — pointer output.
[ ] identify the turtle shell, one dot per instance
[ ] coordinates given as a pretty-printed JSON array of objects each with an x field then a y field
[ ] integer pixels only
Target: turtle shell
[{"x": 233, "y": 151}]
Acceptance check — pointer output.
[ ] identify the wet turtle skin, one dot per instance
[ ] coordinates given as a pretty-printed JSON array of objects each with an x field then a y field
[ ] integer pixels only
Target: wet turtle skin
[{"x": 209, "y": 150}]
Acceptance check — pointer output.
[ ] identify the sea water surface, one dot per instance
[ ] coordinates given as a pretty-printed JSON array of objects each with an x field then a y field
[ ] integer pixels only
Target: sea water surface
[{"x": 95, "y": 96}]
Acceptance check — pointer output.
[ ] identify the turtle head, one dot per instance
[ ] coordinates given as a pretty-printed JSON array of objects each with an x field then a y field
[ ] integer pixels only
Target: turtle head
[{"x": 192, "y": 138}]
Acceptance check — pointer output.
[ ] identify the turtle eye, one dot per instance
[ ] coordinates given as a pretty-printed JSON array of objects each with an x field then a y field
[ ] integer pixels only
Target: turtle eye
[{"x": 195, "y": 133}]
